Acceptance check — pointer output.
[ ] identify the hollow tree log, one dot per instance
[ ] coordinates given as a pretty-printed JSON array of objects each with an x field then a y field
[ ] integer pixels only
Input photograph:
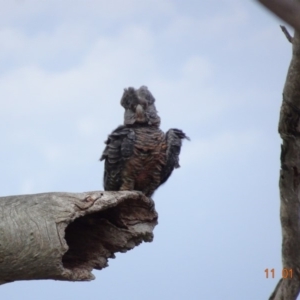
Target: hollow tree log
[{"x": 64, "y": 236}]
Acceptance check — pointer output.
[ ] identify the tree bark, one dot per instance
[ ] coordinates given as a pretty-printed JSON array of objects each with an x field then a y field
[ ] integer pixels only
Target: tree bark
[
  {"x": 289, "y": 182},
  {"x": 64, "y": 236}
]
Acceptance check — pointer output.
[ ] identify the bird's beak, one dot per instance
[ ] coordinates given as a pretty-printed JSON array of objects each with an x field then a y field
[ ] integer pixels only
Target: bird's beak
[{"x": 139, "y": 111}]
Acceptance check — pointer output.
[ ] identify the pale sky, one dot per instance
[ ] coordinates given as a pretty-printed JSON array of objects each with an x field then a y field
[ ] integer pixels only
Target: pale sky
[{"x": 217, "y": 71}]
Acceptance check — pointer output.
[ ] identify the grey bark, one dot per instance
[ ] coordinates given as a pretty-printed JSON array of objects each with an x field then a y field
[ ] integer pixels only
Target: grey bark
[
  {"x": 289, "y": 182},
  {"x": 64, "y": 236}
]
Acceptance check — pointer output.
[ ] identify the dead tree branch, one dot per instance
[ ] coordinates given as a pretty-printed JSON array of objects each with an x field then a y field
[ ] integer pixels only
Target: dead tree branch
[
  {"x": 289, "y": 182},
  {"x": 288, "y": 11},
  {"x": 64, "y": 236},
  {"x": 287, "y": 34}
]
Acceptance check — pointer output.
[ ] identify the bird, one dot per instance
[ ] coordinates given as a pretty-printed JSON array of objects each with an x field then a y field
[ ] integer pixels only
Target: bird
[{"x": 138, "y": 155}]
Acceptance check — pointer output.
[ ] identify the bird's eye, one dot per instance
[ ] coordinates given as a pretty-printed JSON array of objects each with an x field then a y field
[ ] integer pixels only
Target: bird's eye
[{"x": 125, "y": 102}]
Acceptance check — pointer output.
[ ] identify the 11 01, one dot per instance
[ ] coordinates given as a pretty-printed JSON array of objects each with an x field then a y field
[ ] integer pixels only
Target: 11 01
[{"x": 285, "y": 273}]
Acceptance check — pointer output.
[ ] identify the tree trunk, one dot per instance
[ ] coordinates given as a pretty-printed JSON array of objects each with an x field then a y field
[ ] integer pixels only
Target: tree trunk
[
  {"x": 289, "y": 183},
  {"x": 64, "y": 236}
]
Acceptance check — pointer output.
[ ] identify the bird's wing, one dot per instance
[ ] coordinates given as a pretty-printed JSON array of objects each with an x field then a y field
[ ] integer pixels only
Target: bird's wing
[
  {"x": 174, "y": 141},
  {"x": 119, "y": 148}
]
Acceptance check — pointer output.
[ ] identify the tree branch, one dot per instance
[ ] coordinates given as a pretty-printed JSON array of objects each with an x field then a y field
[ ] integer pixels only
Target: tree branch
[
  {"x": 289, "y": 182},
  {"x": 287, "y": 34},
  {"x": 288, "y": 11},
  {"x": 64, "y": 236}
]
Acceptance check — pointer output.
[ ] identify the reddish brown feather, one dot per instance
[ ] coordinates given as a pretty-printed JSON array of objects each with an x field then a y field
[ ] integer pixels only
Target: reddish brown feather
[{"x": 142, "y": 171}]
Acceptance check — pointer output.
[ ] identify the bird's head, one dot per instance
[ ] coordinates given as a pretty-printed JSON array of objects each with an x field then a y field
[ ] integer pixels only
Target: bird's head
[{"x": 139, "y": 107}]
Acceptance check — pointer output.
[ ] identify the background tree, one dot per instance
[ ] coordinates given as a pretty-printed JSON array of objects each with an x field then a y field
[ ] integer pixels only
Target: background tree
[{"x": 288, "y": 287}]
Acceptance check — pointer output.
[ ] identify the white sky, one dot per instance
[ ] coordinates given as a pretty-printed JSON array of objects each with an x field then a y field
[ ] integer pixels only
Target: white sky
[{"x": 217, "y": 71}]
